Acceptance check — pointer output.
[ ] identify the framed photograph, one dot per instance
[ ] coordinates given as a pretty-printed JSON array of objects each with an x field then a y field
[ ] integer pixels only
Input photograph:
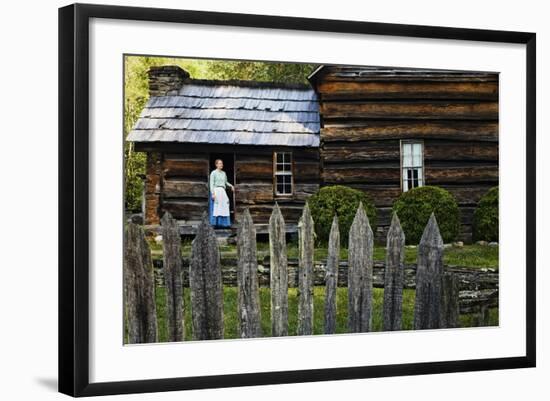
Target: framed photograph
[{"x": 250, "y": 199}]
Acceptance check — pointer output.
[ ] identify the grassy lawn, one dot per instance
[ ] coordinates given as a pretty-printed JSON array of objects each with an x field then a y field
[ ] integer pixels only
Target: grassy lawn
[
  {"x": 477, "y": 256},
  {"x": 231, "y": 323}
]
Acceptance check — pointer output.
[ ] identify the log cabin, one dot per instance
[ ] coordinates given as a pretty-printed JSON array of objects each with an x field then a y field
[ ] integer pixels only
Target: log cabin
[
  {"x": 387, "y": 130},
  {"x": 267, "y": 135},
  {"x": 380, "y": 130}
]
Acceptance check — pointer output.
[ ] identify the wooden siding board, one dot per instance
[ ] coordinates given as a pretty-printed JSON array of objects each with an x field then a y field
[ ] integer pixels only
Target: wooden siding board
[
  {"x": 185, "y": 209},
  {"x": 360, "y": 174},
  {"x": 176, "y": 188},
  {"x": 411, "y": 109},
  {"x": 392, "y": 74},
  {"x": 186, "y": 168},
  {"x": 407, "y": 90},
  {"x": 255, "y": 193},
  {"x": 259, "y": 170},
  {"x": 306, "y": 172},
  {"x": 364, "y": 151},
  {"x": 451, "y": 174},
  {"x": 382, "y": 130},
  {"x": 460, "y": 151}
]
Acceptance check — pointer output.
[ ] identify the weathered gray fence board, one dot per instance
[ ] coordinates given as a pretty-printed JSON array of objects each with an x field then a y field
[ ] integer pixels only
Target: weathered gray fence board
[
  {"x": 331, "y": 279},
  {"x": 360, "y": 254},
  {"x": 139, "y": 288},
  {"x": 449, "y": 301},
  {"x": 472, "y": 301},
  {"x": 393, "y": 276},
  {"x": 247, "y": 279},
  {"x": 477, "y": 286},
  {"x": 305, "y": 276},
  {"x": 171, "y": 243},
  {"x": 205, "y": 280},
  {"x": 471, "y": 279},
  {"x": 279, "y": 274},
  {"x": 428, "y": 278}
]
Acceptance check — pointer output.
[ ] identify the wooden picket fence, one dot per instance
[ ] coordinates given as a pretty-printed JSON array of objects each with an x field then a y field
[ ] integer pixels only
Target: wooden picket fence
[{"x": 437, "y": 290}]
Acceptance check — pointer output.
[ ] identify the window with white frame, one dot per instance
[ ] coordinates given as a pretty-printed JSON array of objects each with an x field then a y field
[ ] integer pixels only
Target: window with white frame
[
  {"x": 412, "y": 164},
  {"x": 283, "y": 173}
]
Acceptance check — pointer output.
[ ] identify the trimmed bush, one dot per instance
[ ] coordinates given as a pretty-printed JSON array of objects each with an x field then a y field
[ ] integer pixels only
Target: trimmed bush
[
  {"x": 414, "y": 208},
  {"x": 343, "y": 201},
  {"x": 485, "y": 223}
]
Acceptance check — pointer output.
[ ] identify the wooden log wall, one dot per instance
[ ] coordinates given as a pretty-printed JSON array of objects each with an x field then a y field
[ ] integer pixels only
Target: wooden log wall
[
  {"x": 255, "y": 190},
  {"x": 185, "y": 185},
  {"x": 152, "y": 188},
  {"x": 365, "y": 114},
  {"x": 177, "y": 181}
]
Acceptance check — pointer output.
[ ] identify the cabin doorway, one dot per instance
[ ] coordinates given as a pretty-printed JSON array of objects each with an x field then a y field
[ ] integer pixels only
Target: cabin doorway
[{"x": 229, "y": 168}]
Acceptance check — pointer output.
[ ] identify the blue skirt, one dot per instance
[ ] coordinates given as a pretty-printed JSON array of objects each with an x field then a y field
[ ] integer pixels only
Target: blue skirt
[{"x": 217, "y": 221}]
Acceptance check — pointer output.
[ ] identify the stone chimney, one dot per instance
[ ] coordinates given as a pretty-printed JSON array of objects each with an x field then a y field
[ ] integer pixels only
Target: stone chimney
[{"x": 166, "y": 80}]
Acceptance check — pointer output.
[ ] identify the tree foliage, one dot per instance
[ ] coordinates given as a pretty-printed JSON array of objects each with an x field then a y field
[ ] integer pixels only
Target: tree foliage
[
  {"x": 485, "y": 224},
  {"x": 259, "y": 71},
  {"x": 414, "y": 208},
  {"x": 342, "y": 201},
  {"x": 136, "y": 88}
]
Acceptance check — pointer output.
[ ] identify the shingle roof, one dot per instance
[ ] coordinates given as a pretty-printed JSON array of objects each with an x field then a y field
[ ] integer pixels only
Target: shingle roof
[{"x": 232, "y": 112}]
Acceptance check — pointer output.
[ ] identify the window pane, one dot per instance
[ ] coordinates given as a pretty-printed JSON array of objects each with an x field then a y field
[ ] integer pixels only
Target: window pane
[
  {"x": 283, "y": 173},
  {"x": 413, "y": 159},
  {"x": 407, "y": 157},
  {"x": 417, "y": 154}
]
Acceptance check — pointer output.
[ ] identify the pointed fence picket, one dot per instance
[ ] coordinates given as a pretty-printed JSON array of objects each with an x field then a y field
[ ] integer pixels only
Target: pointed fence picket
[
  {"x": 305, "y": 277},
  {"x": 393, "y": 276},
  {"x": 247, "y": 279},
  {"x": 360, "y": 260},
  {"x": 331, "y": 279},
  {"x": 429, "y": 275},
  {"x": 139, "y": 288},
  {"x": 171, "y": 245},
  {"x": 205, "y": 282},
  {"x": 279, "y": 274}
]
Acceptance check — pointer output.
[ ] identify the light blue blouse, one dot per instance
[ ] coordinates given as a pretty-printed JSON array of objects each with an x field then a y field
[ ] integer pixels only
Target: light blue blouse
[{"x": 218, "y": 179}]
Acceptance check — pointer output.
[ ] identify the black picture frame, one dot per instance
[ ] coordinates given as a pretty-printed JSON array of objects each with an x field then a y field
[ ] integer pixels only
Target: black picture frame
[{"x": 74, "y": 201}]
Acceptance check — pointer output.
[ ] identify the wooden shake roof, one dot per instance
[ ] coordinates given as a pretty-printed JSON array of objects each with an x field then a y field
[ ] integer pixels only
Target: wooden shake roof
[{"x": 232, "y": 112}]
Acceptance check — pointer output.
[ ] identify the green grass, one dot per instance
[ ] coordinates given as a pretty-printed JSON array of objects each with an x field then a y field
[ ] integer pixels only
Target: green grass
[
  {"x": 476, "y": 256},
  {"x": 231, "y": 323}
]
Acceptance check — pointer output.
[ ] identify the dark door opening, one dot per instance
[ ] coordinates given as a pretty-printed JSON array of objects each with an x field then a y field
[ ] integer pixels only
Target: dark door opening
[{"x": 229, "y": 168}]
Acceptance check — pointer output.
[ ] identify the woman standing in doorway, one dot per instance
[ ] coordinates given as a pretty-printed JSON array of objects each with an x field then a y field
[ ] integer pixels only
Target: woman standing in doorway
[{"x": 219, "y": 201}]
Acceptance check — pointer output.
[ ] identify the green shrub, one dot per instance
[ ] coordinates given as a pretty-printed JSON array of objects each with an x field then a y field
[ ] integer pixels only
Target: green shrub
[
  {"x": 414, "y": 208},
  {"x": 342, "y": 201},
  {"x": 485, "y": 224}
]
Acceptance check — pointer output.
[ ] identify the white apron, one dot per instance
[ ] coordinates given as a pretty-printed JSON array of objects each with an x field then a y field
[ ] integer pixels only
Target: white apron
[{"x": 221, "y": 203}]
